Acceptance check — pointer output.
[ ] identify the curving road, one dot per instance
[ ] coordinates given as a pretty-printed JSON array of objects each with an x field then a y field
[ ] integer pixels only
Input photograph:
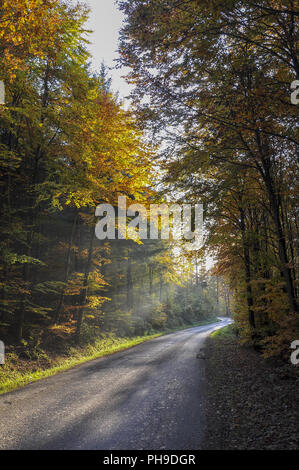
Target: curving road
[{"x": 148, "y": 397}]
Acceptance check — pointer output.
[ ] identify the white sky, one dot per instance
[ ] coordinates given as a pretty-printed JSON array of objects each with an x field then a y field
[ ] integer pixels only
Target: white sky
[{"x": 105, "y": 21}]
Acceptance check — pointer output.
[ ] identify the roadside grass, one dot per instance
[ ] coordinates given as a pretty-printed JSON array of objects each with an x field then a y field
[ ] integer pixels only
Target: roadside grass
[
  {"x": 16, "y": 372},
  {"x": 223, "y": 333},
  {"x": 13, "y": 375}
]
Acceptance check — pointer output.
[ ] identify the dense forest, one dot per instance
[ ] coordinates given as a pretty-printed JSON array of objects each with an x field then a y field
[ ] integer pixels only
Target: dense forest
[
  {"x": 217, "y": 78},
  {"x": 67, "y": 145},
  {"x": 211, "y": 121}
]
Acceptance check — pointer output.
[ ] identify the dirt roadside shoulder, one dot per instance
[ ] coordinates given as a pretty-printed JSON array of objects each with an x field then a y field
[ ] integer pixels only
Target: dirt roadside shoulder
[{"x": 252, "y": 403}]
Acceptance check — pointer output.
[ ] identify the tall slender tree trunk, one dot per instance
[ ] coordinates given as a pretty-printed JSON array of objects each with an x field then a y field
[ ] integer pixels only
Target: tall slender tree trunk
[
  {"x": 217, "y": 294},
  {"x": 247, "y": 266},
  {"x": 129, "y": 284},
  {"x": 150, "y": 280},
  {"x": 275, "y": 211},
  {"x": 161, "y": 286},
  {"x": 283, "y": 256},
  {"x": 67, "y": 271},
  {"x": 83, "y": 294},
  {"x": 26, "y": 277}
]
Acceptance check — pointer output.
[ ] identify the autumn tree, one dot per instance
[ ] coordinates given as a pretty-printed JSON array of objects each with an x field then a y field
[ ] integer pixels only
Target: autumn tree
[{"x": 217, "y": 80}]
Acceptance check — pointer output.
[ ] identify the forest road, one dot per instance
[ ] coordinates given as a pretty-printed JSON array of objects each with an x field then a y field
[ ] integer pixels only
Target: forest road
[{"x": 151, "y": 396}]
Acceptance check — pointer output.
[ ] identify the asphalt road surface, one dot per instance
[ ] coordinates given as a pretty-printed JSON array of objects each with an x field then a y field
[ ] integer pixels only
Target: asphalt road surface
[{"x": 148, "y": 397}]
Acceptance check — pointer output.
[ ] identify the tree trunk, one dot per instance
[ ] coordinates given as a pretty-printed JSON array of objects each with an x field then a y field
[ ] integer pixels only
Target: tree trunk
[
  {"x": 274, "y": 205},
  {"x": 150, "y": 280},
  {"x": 83, "y": 293},
  {"x": 246, "y": 255},
  {"x": 67, "y": 271},
  {"x": 129, "y": 285},
  {"x": 161, "y": 286}
]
